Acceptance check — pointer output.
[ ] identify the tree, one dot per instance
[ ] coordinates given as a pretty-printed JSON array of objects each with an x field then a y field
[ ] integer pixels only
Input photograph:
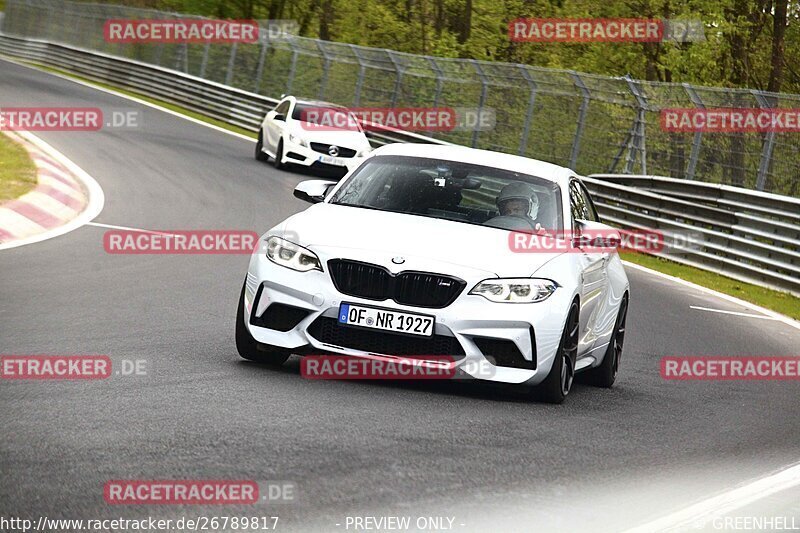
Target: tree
[{"x": 778, "y": 45}]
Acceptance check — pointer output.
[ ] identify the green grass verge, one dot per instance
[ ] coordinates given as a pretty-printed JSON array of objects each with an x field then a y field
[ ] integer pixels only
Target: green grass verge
[
  {"x": 167, "y": 105},
  {"x": 780, "y": 302},
  {"x": 17, "y": 171}
]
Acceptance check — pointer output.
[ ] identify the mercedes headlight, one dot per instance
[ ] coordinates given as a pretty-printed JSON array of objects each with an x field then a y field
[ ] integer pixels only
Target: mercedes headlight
[
  {"x": 515, "y": 290},
  {"x": 364, "y": 153},
  {"x": 296, "y": 139},
  {"x": 290, "y": 255}
]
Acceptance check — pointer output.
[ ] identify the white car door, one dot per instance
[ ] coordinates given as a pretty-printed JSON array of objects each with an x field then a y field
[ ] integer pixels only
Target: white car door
[
  {"x": 274, "y": 125},
  {"x": 593, "y": 266}
]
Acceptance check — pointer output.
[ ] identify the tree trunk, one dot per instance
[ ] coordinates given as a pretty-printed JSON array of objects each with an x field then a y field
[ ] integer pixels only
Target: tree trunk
[
  {"x": 325, "y": 20},
  {"x": 423, "y": 20},
  {"x": 778, "y": 46},
  {"x": 466, "y": 23},
  {"x": 438, "y": 10},
  {"x": 276, "y": 9}
]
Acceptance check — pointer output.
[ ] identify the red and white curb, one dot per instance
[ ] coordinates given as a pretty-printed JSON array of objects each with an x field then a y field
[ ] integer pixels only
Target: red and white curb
[{"x": 64, "y": 199}]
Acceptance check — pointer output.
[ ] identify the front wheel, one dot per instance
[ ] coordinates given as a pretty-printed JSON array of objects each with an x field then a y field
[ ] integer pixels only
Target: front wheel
[
  {"x": 558, "y": 383},
  {"x": 279, "y": 164},
  {"x": 251, "y": 349},
  {"x": 260, "y": 155},
  {"x": 605, "y": 374}
]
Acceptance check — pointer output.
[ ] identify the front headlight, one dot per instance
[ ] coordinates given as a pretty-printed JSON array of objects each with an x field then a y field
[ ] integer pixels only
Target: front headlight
[
  {"x": 290, "y": 255},
  {"x": 296, "y": 139},
  {"x": 364, "y": 153},
  {"x": 515, "y": 290}
]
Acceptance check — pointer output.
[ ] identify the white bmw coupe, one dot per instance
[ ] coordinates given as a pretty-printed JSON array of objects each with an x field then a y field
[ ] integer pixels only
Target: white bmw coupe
[{"x": 424, "y": 250}]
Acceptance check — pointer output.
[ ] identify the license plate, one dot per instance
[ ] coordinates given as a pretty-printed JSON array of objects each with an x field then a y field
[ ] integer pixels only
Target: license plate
[
  {"x": 331, "y": 160},
  {"x": 386, "y": 320}
]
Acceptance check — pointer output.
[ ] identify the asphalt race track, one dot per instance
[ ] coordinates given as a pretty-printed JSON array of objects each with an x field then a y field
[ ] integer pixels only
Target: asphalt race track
[{"x": 605, "y": 460}]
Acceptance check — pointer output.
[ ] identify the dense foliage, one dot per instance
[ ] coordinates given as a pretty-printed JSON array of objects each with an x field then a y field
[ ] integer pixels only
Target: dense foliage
[{"x": 749, "y": 43}]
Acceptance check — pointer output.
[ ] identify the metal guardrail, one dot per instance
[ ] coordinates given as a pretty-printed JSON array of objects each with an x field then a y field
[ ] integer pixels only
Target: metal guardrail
[
  {"x": 587, "y": 122},
  {"x": 227, "y": 104},
  {"x": 744, "y": 234}
]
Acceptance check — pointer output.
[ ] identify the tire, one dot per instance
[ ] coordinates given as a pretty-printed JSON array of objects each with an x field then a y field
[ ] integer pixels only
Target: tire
[
  {"x": 260, "y": 155},
  {"x": 558, "y": 383},
  {"x": 252, "y": 350},
  {"x": 278, "y": 156},
  {"x": 605, "y": 374}
]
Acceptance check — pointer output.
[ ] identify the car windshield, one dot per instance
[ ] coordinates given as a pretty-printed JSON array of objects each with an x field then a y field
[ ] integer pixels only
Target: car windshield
[
  {"x": 325, "y": 116},
  {"x": 455, "y": 191}
]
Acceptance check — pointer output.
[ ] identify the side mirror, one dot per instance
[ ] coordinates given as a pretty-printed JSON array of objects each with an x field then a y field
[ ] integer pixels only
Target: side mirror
[
  {"x": 596, "y": 237},
  {"x": 280, "y": 117},
  {"x": 313, "y": 191}
]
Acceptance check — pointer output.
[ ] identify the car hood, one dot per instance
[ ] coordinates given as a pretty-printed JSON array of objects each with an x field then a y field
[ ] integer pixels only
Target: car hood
[{"x": 425, "y": 243}]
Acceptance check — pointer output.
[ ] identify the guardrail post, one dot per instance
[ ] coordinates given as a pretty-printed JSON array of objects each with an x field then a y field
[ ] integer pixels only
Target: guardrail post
[
  {"x": 481, "y": 101},
  {"x": 612, "y": 168},
  {"x": 576, "y": 141},
  {"x": 182, "y": 58},
  {"x": 159, "y": 53},
  {"x": 231, "y": 63},
  {"x": 76, "y": 29},
  {"x": 638, "y": 139},
  {"x": 361, "y": 72},
  {"x": 30, "y": 20},
  {"x": 292, "y": 69},
  {"x": 398, "y": 78},
  {"x": 769, "y": 143},
  {"x": 204, "y": 61},
  {"x": 697, "y": 141},
  {"x": 326, "y": 66},
  {"x": 439, "y": 80},
  {"x": 260, "y": 69},
  {"x": 523, "y": 142}
]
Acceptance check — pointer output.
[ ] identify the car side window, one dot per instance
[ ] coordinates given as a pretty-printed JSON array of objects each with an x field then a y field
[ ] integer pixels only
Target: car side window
[
  {"x": 577, "y": 204},
  {"x": 283, "y": 108},
  {"x": 581, "y": 203},
  {"x": 591, "y": 211}
]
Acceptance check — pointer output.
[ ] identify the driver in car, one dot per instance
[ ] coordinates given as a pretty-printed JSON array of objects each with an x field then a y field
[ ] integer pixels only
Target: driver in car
[{"x": 518, "y": 204}]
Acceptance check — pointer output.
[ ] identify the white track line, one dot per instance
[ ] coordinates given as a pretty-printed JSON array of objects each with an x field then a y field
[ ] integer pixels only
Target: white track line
[
  {"x": 132, "y": 99},
  {"x": 725, "y": 312},
  {"x": 696, "y": 516},
  {"x": 126, "y": 228},
  {"x": 728, "y": 298},
  {"x": 96, "y": 197}
]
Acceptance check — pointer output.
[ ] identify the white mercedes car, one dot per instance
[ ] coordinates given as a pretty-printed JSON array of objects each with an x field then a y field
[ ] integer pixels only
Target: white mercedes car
[
  {"x": 317, "y": 135},
  {"x": 411, "y": 254}
]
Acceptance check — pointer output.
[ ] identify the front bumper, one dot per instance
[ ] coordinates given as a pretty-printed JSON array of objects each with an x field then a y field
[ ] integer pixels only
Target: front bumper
[
  {"x": 305, "y": 156},
  {"x": 467, "y": 328}
]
